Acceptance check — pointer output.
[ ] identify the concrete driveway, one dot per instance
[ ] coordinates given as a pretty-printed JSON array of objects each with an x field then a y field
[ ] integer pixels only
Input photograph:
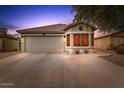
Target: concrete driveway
[{"x": 59, "y": 70}]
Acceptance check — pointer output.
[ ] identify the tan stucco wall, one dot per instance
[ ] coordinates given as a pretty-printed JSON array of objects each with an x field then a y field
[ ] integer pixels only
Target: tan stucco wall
[
  {"x": 108, "y": 42},
  {"x": 117, "y": 41},
  {"x": 11, "y": 44},
  {"x": 102, "y": 43},
  {"x": 122, "y": 40},
  {"x": 1, "y": 44}
]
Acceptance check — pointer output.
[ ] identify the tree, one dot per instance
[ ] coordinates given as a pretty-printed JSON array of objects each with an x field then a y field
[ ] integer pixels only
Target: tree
[
  {"x": 3, "y": 31},
  {"x": 106, "y": 18}
]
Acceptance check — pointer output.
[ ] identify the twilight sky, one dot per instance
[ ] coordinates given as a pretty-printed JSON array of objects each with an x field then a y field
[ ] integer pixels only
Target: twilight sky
[{"x": 19, "y": 17}]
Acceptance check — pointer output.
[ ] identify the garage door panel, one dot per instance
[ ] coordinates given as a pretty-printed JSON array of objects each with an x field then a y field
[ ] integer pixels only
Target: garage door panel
[{"x": 44, "y": 44}]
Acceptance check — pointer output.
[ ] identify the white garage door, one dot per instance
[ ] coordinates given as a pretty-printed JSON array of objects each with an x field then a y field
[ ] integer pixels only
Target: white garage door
[{"x": 44, "y": 44}]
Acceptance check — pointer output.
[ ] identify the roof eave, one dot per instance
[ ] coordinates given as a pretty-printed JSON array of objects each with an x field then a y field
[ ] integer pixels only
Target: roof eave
[{"x": 73, "y": 24}]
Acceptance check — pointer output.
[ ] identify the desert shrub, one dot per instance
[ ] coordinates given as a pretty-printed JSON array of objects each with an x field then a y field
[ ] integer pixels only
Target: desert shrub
[
  {"x": 120, "y": 49},
  {"x": 77, "y": 52}
]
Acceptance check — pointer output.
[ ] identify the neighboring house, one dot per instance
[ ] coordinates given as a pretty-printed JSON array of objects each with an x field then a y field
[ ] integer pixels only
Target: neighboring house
[
  {"x": 9, "y": 43},
  {"x": 108, "y": 40},
  {"x": 57, "y": 38}
]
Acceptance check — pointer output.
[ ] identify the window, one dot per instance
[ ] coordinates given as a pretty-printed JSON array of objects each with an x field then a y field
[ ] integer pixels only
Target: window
[
  {"x": 68, "y": 40},
  {"x": 81, "y": 39},
  {"x": 80, "y": 28},
  {"x": 85, "y": 40},
  {"x": 76, "y": 39}
]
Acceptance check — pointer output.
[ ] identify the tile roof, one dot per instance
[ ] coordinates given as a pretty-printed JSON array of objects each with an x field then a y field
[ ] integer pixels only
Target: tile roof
[
  {"x": 49, "y": 29},
  {"x": 119, "y": 33}
]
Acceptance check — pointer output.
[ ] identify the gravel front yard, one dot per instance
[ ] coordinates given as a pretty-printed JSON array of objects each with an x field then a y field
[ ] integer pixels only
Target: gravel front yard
[{"x": 115, "y": 58}]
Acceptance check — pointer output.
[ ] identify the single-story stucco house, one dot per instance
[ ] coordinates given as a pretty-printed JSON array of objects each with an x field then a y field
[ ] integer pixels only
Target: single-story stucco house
[
  {"x": 108, "y": 40},
  {"x": 57, "y": 38}
]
